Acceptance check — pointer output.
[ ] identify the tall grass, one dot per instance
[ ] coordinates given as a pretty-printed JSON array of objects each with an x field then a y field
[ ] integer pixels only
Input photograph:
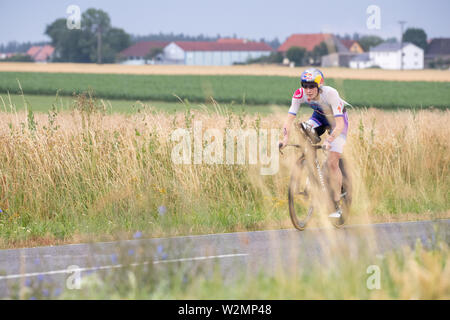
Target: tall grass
[{"x": 84, "y": 174}]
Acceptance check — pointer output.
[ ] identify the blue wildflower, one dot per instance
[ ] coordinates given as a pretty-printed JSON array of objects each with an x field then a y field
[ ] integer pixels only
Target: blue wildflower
[
  {"x": 164, "y": 256},
  {"x": 130, "y": 252},
  {"x": 162, "y": 210},
  {"x": 40, "y": 277},
  {"x": 137, "y": 235},
  {"x": 114, "y": 258},
  {"x": 1, "y": 210},
  {"x": 37, "y": 261},
  {"x": 160, "y": 248},
  {"x": 57, "y": 292},
  {"x": 45, "y": 292},
  {"x": 28, "y": 283},
  {"x": 33, "y": 298}
]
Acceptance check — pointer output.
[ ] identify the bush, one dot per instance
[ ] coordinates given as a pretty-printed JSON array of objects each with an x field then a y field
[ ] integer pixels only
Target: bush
[
  {"x": 19, "y": 58},
  {"x": 296, "y": 55}
]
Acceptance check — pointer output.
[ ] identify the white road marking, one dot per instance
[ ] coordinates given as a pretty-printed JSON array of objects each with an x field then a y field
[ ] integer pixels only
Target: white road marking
[{"x": 116, "y": 266}]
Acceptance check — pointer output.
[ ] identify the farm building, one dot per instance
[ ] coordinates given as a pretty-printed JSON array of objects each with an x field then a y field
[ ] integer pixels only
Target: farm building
[
  {"x": 388, "y": 56},
  {"x": 41, "y": 53},
  {"x": 338, "y": 52},
  {"x": 309, "y": 41},
  {"x": 352, "y": 46},
  {"x": 361, "y": 61},
  {"x": 136, "y": 54},
  {"x": 220, "y": 53},
  {"x": 438, "y": 52}
]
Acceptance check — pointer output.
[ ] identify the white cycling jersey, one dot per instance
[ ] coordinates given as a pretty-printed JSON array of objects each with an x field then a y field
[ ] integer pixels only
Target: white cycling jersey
[{"x": 329, "y": 103}]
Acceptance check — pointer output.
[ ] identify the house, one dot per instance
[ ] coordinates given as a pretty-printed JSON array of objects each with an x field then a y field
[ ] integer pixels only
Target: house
[
  {"x": 309, "y": 41},
  {"x": 361, "y": 61},
  {"x": 438, "y": 50},
  {"x": 388, "y": 55},
  {"x": 219, "y": 53},
  {"x": 135, "y": 55},
  {"x": 352, "y": 46},
  {"x": 337, "y": 59},
  {"x": 41, "y": 53}
]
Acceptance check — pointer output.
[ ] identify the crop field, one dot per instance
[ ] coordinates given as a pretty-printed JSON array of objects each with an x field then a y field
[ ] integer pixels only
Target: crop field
[
  {"x": 244, "y": 90},
  {"x": 84, "y": 175},
  {"x": 254, "y": 70}
]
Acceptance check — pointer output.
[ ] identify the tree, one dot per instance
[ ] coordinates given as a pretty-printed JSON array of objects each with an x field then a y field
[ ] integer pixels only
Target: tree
[
  {"x": 416, "y": 36},
  {"x": 96, "y": 22},
  {"x": 96, "y": 41},
  {"x": 296, "y": 55},
  {"x": 367, "y": 42},
  {"x": 153, "y": 53}
]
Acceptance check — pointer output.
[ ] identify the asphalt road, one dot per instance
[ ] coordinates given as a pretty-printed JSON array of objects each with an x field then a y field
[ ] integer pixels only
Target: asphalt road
[{"x": 271, "y": 250}]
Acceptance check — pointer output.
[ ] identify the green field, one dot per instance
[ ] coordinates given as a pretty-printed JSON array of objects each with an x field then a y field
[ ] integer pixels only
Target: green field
[
  {"x": 44, "y": 103},
  {"x": 244, "y": 90}
]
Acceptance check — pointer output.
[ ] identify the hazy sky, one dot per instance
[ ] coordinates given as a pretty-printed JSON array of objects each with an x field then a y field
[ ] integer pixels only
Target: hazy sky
[{"x": 22, "y": 20}]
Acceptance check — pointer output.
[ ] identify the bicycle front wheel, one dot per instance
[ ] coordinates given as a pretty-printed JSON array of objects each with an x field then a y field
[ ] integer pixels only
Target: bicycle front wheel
[{"x": 300, "y": 195}]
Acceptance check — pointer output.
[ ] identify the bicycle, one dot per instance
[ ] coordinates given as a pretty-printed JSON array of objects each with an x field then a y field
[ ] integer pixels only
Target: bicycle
[{"x": 309, "y": 181}]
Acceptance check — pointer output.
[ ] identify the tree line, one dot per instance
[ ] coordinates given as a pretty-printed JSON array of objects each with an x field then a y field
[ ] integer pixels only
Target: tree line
[{"x": 98, "y": 41}]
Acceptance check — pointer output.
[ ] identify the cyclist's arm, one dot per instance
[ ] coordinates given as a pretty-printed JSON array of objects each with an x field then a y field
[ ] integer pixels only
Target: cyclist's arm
[
  {"x": 340, "y": 124},
  {"x": 297, "y": 100},
  {"x": 337, "y": 104},
  {"x": 287, "y": 126}
]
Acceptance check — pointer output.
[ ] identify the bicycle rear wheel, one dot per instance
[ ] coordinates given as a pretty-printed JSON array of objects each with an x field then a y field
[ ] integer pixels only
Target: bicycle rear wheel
[
  {"x": 300, "y": 195},
  {"x": 346, "y": 195}
]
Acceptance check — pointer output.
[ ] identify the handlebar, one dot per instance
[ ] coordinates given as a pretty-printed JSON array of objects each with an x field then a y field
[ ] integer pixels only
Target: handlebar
[{"x": 314, "y": 146}]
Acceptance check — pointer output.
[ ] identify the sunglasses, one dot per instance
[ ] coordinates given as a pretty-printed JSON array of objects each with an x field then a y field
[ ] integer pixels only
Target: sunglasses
[{"x": 309, "y": 85}]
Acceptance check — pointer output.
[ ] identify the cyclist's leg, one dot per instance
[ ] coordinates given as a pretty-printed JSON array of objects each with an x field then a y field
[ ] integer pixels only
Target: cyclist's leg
[
  {"x": 318, "y": 123},
  {"x": 335, "y": 173}
]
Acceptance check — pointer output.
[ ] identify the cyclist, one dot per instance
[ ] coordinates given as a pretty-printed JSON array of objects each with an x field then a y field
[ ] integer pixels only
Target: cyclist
[{"x": 329, "y": 113}]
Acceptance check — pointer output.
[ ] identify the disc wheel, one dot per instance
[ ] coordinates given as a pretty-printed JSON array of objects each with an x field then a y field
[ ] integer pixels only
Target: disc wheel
[{"x": 300, "y": 195}]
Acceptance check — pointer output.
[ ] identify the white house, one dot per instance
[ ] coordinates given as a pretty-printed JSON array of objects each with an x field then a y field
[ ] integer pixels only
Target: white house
[
  {"x": 388, "y": 56},
  {"x": 361, "y": 61},
  {"x": 220, "y": 53}
]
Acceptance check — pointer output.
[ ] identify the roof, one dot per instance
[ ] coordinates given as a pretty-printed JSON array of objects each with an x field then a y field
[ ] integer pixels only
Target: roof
[
  {"x": 307, "y": 41},
  {"x": 439, "y": 46},
  {"x": 389, "y": 46},
  {"x": 40, "y": 53},
  {"x": 140, "y": 49},
  {"x": 348, "y": 43},
  {"x": 231, "y": 40},
  {"x": 223, "y": 46},
  {"x": 33, "y": 50},
  {"x": 362, "y": 57}
]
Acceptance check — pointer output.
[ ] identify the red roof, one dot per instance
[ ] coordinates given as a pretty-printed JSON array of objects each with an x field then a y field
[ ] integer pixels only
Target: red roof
[
  {"x": 307, "y": 41},
  {"x": 140, "y": 49},
  {"x": 223, "y": 46},
  {"x": 33, "y": 50},
  {"x": 40, "y": 53},
  {"x": 348, "y": 43},
  {"x": 230, "y": 40}
]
